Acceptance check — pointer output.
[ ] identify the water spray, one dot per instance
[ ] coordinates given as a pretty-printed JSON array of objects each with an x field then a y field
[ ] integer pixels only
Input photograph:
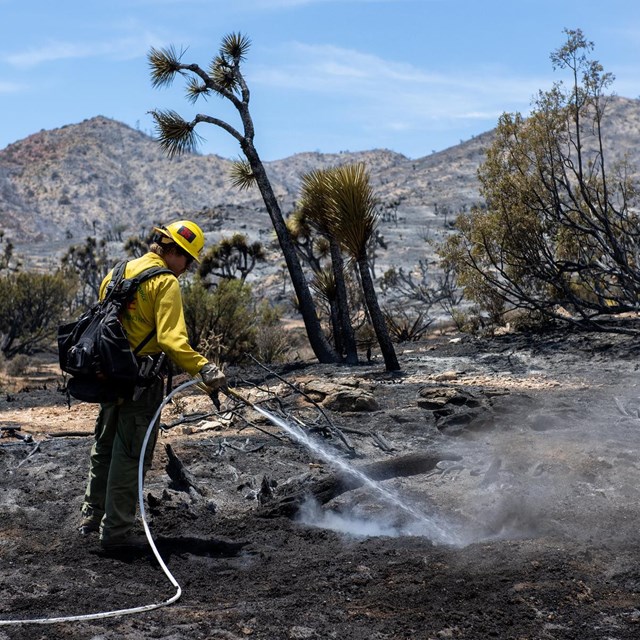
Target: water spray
[{"x": 429, "y": 527}]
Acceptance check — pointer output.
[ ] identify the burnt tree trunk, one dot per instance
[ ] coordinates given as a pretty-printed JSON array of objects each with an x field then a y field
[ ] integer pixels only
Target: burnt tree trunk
[
  {"x": 317, "y": 340},
  {"x": 376, "y": 316},
  {"x": 287, "y": 503},
  {"x": 346, "y": 330}
]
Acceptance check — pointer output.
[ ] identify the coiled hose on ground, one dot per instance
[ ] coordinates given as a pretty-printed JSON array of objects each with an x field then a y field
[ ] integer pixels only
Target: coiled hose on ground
[{"x": 146, "y": 607}]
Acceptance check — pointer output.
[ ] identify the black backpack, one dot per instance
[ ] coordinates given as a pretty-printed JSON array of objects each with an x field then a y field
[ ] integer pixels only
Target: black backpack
[{"x": 94, "y": 349}]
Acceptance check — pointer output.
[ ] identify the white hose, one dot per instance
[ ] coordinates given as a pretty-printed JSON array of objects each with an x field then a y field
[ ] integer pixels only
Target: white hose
[{"x": 146, "y": 607}]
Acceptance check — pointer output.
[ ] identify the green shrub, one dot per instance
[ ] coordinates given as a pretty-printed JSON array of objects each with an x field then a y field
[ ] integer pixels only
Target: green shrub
[
  {"x": 17, "y": 366},
  {"x": 221, "y": 323},
  {"x": 272, "y": 344},
  {"x": 226, "y": 323},
  {"x": 33, "y": 305}
]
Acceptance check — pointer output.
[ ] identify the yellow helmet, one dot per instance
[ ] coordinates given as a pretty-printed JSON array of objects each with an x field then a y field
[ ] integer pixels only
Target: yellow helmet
[{"x": 186, "y": 234}]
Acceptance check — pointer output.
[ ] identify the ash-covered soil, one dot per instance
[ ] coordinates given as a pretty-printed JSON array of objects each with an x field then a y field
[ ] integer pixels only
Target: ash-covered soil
[{"x": 524, "y": 524}]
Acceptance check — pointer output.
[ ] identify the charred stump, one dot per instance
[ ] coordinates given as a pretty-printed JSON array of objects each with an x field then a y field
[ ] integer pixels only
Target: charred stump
[
  {"x": 288, "y": 500},
  {"x": 181, "y": 478}
]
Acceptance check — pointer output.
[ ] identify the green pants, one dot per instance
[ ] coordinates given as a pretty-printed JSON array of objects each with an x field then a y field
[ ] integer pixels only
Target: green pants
[{"x": 112, "y": 489}]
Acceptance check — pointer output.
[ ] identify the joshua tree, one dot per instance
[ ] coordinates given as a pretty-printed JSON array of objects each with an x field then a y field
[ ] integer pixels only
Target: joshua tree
[
  {"x": 313, "y": 249},
  {"x": 224, "y": 78},
  {"x": 231, "y": 255},
  {"x": 315, "y": 206},
  {"x": 135, "y": 247},
  {"x": 353, "y": 220},
  {"x": 91, "y": 263},
  {"x": 7, "y": 261}
]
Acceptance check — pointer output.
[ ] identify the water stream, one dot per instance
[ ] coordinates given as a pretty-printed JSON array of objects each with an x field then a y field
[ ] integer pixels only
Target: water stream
[{"x": 421, "y": 524}]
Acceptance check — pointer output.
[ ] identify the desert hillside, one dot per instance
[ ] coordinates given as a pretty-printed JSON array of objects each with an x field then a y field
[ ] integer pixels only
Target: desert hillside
[{"x": 103, "y": 178}]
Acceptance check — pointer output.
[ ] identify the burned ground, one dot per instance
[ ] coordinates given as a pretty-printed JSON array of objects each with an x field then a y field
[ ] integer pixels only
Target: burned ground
[{"x": 530, "y": 507}]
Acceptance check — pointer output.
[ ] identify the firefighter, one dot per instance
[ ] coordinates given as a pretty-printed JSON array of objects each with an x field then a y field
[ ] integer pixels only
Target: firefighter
[{"x": 110, "y": 499}]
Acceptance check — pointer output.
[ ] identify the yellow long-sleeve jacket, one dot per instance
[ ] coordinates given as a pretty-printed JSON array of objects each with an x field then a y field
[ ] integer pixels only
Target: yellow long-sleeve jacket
[{"x": 157, "y": 303}]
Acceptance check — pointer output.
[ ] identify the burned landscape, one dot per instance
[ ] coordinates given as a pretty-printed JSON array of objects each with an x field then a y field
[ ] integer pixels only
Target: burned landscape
[{"x": 514, "y": 458}]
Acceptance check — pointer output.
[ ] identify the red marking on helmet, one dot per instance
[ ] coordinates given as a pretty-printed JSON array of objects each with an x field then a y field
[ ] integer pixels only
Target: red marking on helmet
[{"x": 186, "y": 233}]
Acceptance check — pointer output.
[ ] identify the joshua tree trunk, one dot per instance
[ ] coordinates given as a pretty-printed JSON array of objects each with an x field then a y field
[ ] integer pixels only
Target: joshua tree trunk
[
  {"x": 319, "y": 343},
  {"x": 342, "y": 302},
  {"x": 376, "y": 316},
  {"x": 335, "y": 326}
]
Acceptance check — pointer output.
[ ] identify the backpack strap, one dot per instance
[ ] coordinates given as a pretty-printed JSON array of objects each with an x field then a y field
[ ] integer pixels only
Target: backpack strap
[
  {"x": 117, "y": 276},
  {"x": 148, "y": 273},
  {"x": 132, "y": 284},
  {"x": 136, "y": 281},
  {"x": 146, "y": 339}
]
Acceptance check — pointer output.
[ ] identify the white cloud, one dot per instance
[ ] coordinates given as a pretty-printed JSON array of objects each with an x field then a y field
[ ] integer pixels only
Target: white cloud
[
  {"x": 123, "y": 49},
  {"x": 378, "y": 85}
]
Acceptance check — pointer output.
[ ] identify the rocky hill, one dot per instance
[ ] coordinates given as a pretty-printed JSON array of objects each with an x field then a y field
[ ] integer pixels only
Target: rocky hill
[{"x": 102, "y": 178}]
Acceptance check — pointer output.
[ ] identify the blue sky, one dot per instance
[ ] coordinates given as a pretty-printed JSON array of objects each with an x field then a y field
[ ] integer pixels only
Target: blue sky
[{"x": 413, "y": 76}]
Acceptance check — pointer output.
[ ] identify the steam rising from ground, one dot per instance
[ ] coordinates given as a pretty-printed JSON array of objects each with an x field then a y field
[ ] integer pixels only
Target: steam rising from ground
[
  {"x": 312, "y": 514},
  {"x": 554, "y": 467},
  {"x": 389, "y": 524}
]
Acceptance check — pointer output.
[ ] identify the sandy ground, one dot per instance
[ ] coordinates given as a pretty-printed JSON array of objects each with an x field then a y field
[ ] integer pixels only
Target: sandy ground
[{"x": 525, "y": 529}]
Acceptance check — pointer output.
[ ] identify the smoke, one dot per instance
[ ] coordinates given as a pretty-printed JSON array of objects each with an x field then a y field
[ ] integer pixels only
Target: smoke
[
  {"x": 386, "y": 521},
  {"x": 555, "y": 465},
  {"x": 313, "y": 515},
  {"x": 357, "y": 523},
  {"x": 562, "y": 467}
]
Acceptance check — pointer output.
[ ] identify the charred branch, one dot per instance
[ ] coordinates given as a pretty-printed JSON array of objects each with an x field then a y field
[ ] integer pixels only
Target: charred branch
[{"x": 287, "y": 501}]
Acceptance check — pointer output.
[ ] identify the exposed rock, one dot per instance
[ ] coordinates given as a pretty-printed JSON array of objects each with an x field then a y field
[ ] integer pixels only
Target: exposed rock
[
  {"x": 461, "y": 419},
  {"x": 432, "y": 404},
  {"x": 447, "y": 375},
  {"x": 319, "y": 389},
  {"x": 350, "y": 400},
  {"x": 437, "y": 398}
]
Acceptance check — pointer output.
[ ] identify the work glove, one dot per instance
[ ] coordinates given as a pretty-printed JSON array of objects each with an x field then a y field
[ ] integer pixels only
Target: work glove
[{"x": 214, "y": 380}]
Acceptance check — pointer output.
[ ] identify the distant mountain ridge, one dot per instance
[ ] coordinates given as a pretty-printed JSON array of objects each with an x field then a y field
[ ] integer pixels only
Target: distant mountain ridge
[{"x": 101, "y": 177}]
